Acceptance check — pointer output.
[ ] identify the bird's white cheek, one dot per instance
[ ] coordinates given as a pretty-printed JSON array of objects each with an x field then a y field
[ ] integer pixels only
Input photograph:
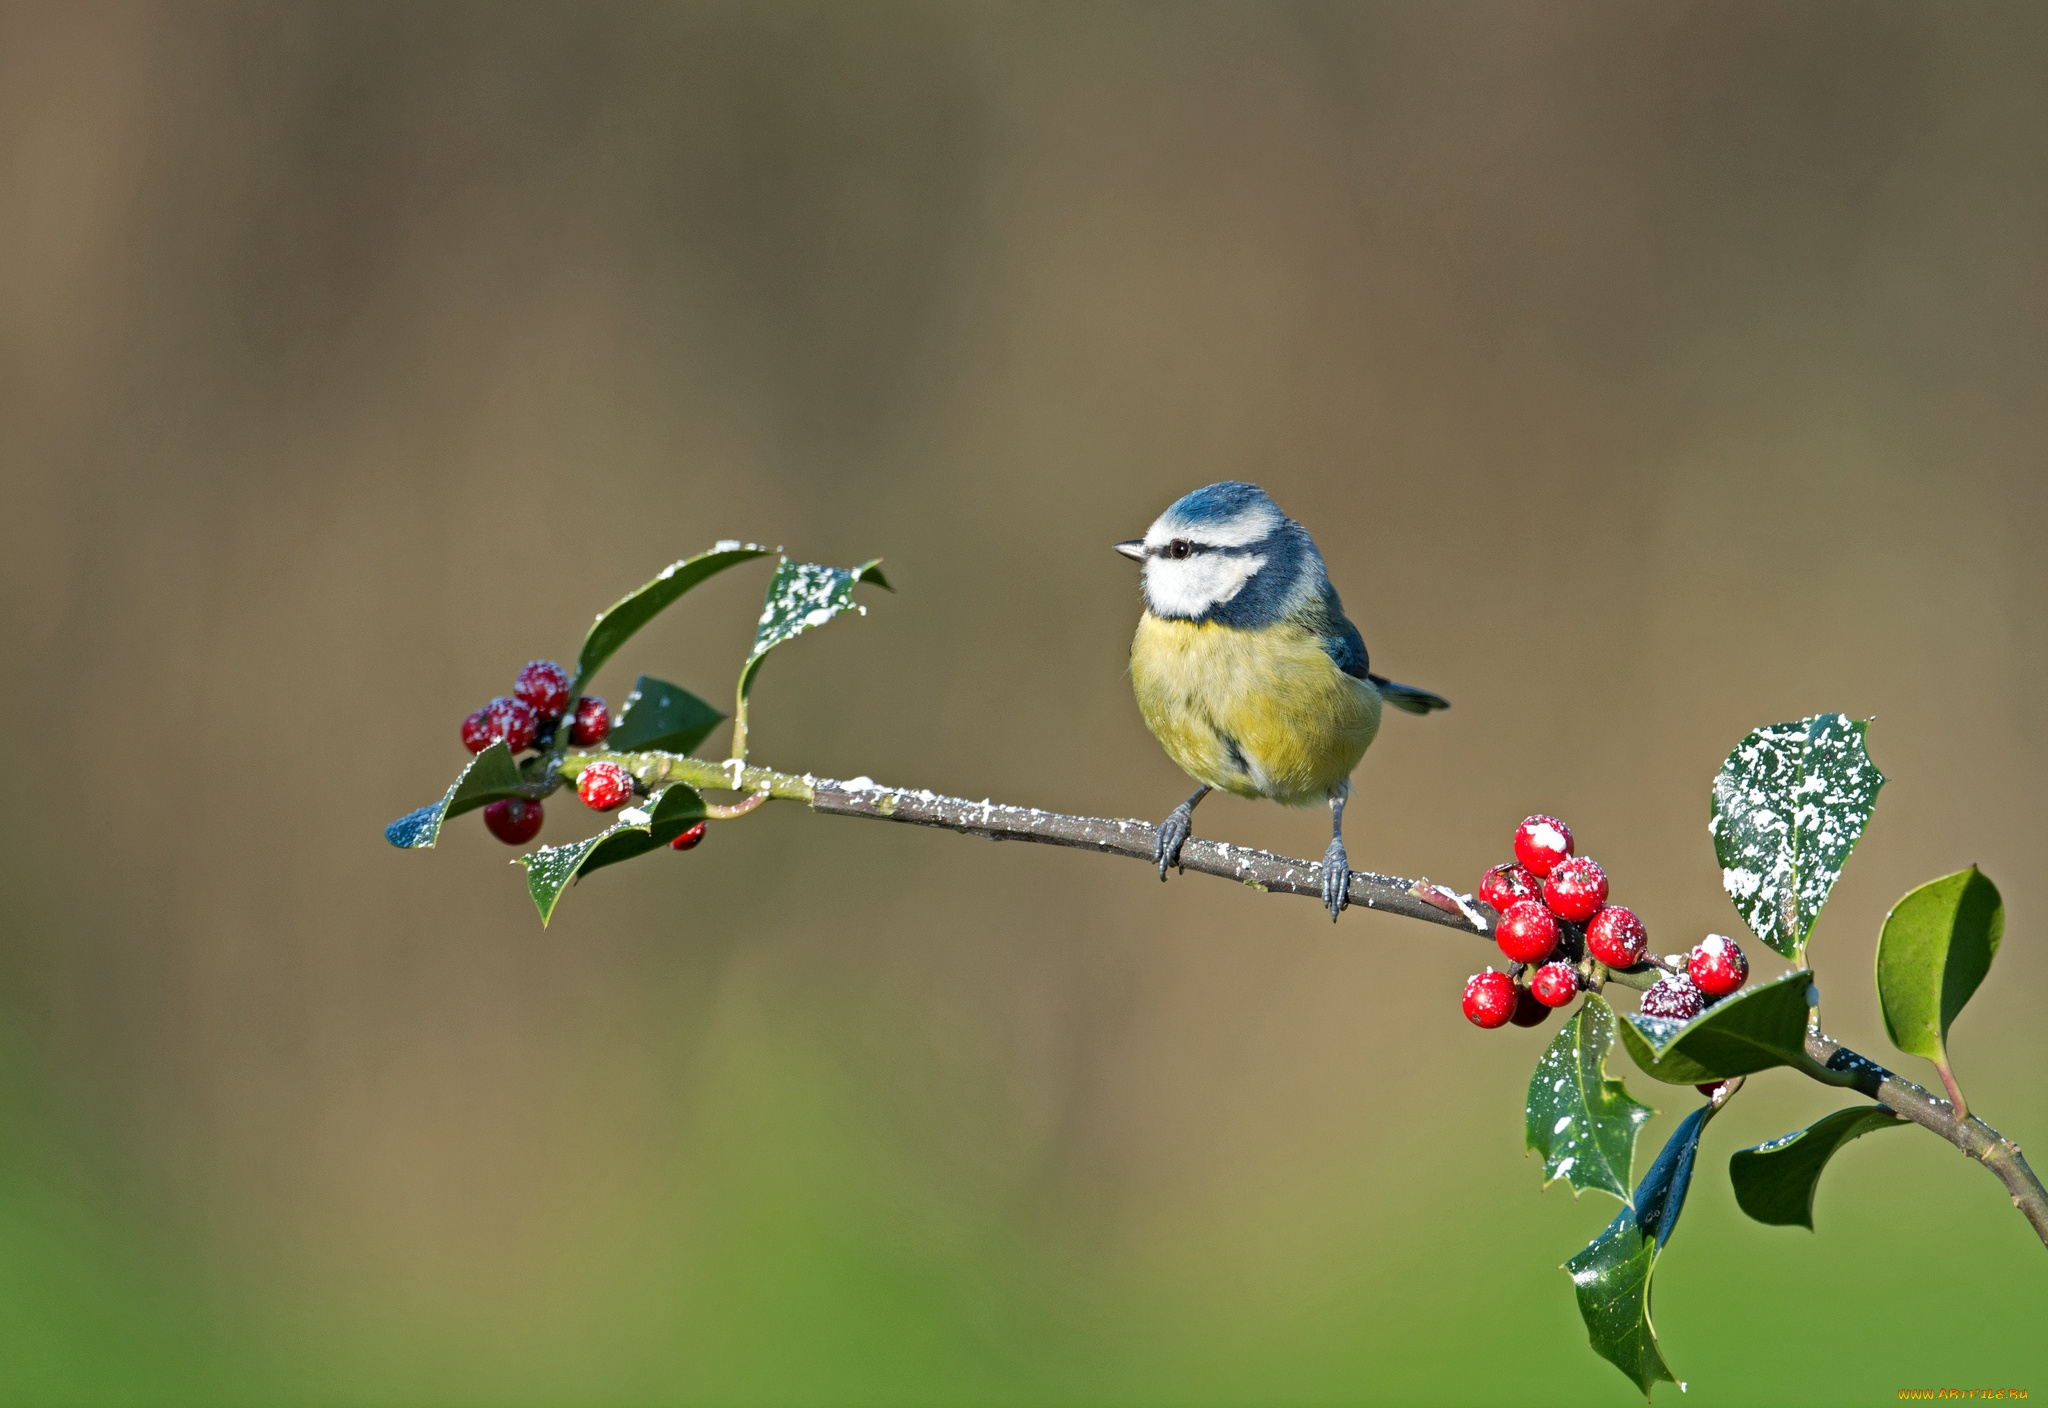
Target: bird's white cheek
[{"x": 1193, "y": 585}]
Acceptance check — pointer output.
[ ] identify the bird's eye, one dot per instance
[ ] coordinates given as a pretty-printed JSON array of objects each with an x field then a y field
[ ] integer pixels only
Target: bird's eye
[{"x": 1179, "y": 547}]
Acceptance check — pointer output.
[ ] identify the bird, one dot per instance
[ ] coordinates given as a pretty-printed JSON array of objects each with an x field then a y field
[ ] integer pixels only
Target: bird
[{"x": 1247, "y": 670}]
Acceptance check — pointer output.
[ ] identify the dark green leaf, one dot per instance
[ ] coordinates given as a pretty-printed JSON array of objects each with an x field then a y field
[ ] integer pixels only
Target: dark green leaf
[
  {"x": 638, "y": 830},
  {"x": 1937, "y": 945},
  {"x": 615, "y": 627},
  {"x": 1789, "y": 805},
  {"x": 1775, "y": 1182},
  {"x": 802, "y": 596},
  {"x": 1582, "y": 1123},
  {"x": 490, "y": 775},
  {"x": 663, "y": 717},
  {"x": 1752, "y": 1031},
  {"x": 1612, "y": 1275}
]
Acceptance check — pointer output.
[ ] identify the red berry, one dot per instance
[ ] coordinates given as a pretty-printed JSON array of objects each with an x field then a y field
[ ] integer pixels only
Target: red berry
[
  {"x": 1674, "y": 996},
  {"x": 1576, "y": 889},
  {"x": 1526, "y": 933},
  {"x": 1617, "y": 938},
  {"x": 592, "y": 724},
  {"x": 1489, "y": 999},
  {"x": 1554, "y": 984},
  {"x": 1528, "y": 1011},
  {"x": 513, "y": 820},
  {"x": 544, "y": 688},
  {"x": 603, "y": 785},
  {"x": 1718, "y": 966},
  {"x": 501, "y": 718},
  {"x": 689, "y": 839},
  {"x": 1541, "y": 842},
  {"x": 1504, "y": 884},
  {"x": 1710, "y": 1087}
]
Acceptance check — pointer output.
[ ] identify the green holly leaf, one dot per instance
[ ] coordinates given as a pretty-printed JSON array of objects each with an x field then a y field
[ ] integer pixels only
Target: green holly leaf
[
  {"x": 1937, "y": 945},
  {"x": 1582, "y": 1123},
  {"x": 661, "y": 717},
  {"x": 805, "y": 595},
  {"x": 1762, "y": 1027},
  {"x": 1789, "y": 805},
  {"x": 1612, "y": 1274},
  {"x": 638, "y": 830},
  {"x": 1775, "y": 1182},
  {"x": 616, "y": 626},
  {"x": 490, "y": 775}
]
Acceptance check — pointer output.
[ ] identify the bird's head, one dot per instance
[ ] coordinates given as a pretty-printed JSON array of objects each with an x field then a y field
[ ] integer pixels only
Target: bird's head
[{"x": 1204, "y": 552}]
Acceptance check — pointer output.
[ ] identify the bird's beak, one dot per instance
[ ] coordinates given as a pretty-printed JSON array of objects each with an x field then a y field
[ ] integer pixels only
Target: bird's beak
[{"x": 1134, "y": 549}]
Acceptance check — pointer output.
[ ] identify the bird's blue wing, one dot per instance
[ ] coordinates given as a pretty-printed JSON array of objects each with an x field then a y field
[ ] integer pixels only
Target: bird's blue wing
[{"x": 1347, "y": 647}]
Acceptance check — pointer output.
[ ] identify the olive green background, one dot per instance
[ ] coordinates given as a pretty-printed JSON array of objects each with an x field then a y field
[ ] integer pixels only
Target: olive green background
[{"x": 1645, "y": 372}]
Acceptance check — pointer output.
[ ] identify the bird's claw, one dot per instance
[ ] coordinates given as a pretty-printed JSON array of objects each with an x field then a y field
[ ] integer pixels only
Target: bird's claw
[
  {"x": 1173, "y": 833},
  {"x": 1336, "y": 879}
]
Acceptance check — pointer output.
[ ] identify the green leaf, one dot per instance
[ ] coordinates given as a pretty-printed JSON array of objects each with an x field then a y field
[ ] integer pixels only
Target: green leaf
[
  {"x": 1582, "y": 1123},
  {"x": 1612, "y": 1274},
  {"x": 802, "y": 596},
  {"x": 668, "y": 814},
  {"x": 1937, "y": 945},
  {"x": 1762, "y": 1027},
  {"x": 661, "y": 717},
  {"x": 1775, "y": 1182},
  {"x": 490, "y": 775},
  {"x": 615, "y": 627},
  {"x": 1789, "y": 805}
]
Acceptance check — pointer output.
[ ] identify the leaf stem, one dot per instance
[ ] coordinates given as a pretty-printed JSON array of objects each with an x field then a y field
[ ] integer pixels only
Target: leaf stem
[{"x": 1948, "y": 1080}]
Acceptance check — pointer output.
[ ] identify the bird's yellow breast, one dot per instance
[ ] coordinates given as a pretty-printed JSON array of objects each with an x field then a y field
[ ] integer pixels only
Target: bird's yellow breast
[{"x": 1261, "y": 713}]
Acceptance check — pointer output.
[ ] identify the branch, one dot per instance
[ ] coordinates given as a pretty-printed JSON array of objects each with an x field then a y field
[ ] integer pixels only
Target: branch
[
  {"x": 1277, "y": 874},
  {"x": 1968, "y": 1133}
]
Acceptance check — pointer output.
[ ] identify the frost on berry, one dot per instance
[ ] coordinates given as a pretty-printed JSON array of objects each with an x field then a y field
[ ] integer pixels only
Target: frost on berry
[
  {"x": 604, "y": 785},
  {"x": 505, "y": 718},
  {"x": 1718, "y": 966},
  {"x": 1489, "y": 998},
  {"x": 1528, "y": 1011},
  {"x": 1576, "y": 889},
  {"x": 1674, "y": 996},
  {"x": 1541, "y": 842},
  {"x": 1504, "y": 884},
  {"x": 1554, "y": 984},
  {"x": 689, "y": 839},
  {"x": 1617, "y": 938},
  {"x": 592, "y": 725},
  {"x": 543, "y": 686},
  {"x": 1527, "y": 932},
  {"x": 513, "y": 820}
]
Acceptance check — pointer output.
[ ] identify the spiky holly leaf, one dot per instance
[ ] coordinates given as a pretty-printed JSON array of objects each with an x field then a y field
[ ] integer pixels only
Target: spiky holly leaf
[
  {"x": 1775, "y": 1182},
  {"x": 1612, "y": 1274},
  {"x": 615, "y": 626},
  {"x": 1584, "y": 1124},
  {"x": 490, "y": 775},
  {"x": 1937, "y": 945},
  {"x": 638, "y": 830},
  {"x": 805, "y": 595},
  {"x": 661, "y": 717},
  {"x": 1789, "y": 805},
  {"x": 1761, "y": 1027}
]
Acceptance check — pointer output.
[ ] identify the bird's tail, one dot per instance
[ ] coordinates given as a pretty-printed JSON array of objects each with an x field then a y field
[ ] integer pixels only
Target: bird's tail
[{"x": 1409, "y": 699}]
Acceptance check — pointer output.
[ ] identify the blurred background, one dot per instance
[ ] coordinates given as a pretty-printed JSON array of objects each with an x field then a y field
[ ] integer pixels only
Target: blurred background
[{"x": 1646, "y": 373}]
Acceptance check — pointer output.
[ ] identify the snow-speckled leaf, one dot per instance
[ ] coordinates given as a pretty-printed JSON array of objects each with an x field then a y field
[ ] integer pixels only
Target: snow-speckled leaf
[
  {"x": 1789, "y": 805},
  {"x": 490, "y": 775},
  {"x": 1761, "y": 1027},
  {"x": 661, "y": 717},
  {"x": 638, "y": 830},
  {"x": 1612, "y": 1275},
  {"x": 1583, "y": 1123},
  {"x": 616, "y": 626},
  {"x": 1937, "y": 945},
  {"x": 1775, "y": 1182},
  {"x": 805, "y": 595}
]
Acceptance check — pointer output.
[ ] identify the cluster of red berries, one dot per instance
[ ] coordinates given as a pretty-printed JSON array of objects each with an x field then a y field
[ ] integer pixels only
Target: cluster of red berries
[
  {"x": 528, "y": 718},
  {"x": 1554, "y": 916}
]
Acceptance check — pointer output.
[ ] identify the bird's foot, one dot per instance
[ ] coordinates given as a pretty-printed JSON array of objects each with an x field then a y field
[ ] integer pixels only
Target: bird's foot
[
  {"x": 1173, "y": 833},
  {"x": 1336, "y": 878}
]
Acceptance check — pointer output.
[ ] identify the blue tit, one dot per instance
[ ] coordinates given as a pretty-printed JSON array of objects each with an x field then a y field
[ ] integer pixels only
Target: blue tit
[{"x": 1246, "y": 669}]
